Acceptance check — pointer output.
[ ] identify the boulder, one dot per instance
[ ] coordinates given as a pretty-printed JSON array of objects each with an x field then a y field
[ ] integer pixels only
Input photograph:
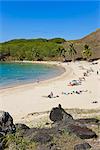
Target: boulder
[
  {"x": 62, "y": 119},
  {"x": 42, "y": 137},
  {"x": 6, "y": 123},
  {"x": 84, "y": 146},
  {"x": 58, "y": 114},
  {"x": 1, "y": 146},
  {"x": 88, "y": 120},
  {"x": 82, "y": 132},
  {"x": 67, "y": 118},
  {"x": 20, "y": 126}
]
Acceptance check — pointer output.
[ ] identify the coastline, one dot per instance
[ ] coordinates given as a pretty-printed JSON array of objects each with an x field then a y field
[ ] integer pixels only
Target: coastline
[
  {"x": 31, "y": 98},
  {"x": 42, "y": 81},
  {"x": 61, "y": 70}
]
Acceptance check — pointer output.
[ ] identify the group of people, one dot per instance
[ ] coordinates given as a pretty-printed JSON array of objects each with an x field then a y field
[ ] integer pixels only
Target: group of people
[
  {"x": 74, "y": 82},
  {"x": 51, "y": 95},
  {"x": 75, "y": 92}
]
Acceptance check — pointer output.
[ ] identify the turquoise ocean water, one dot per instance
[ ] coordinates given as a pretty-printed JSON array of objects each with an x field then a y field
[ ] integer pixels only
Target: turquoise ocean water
[{"x": 12, "y": 74}]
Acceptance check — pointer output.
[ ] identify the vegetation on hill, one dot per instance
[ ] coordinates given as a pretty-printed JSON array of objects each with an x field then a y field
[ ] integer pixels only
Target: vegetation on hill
[
  {"x": 36, "y": 49},
  {"x": 87, "y": 52},
  {"x": 50, "y": 49},
  {"x": 71, "y": 51}
]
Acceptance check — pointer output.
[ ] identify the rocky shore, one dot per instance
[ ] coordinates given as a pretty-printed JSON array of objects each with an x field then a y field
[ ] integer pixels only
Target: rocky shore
[{"x": 63, "y": 132}]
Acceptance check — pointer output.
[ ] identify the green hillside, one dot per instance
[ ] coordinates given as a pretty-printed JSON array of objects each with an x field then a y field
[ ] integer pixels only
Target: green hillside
[{"x": 49, "y": 49}]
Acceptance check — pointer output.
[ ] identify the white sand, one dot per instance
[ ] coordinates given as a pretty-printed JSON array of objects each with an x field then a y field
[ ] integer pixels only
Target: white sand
[{"x": 22, "y": 100}]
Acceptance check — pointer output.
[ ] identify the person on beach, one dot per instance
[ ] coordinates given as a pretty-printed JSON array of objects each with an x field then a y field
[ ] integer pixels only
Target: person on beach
[
  {"x": 85, "y": 74},
  {"x": 50, "y": 95},
  {"x": 81, "y": 78},
  {"x": 97, "y": 72}
]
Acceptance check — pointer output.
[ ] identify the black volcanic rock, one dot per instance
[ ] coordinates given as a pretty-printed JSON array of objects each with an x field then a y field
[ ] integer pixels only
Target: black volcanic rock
[
  {"x": 6, "y": 123},
  {"x": 82, "y": 132},
  {"x": 58, "y": 114},
  {"x": 88, "y": 120},
  {"x": 6, "y": 126},
  {"x": 20, "y": 126},
  {"x": 78, "y": 126},
  {"x": 84, "y": 146},
  {"x": 42, "y": 137}
]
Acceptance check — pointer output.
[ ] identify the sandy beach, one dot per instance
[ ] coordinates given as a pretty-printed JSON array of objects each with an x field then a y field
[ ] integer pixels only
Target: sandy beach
[{"x": 24, "y": 99}]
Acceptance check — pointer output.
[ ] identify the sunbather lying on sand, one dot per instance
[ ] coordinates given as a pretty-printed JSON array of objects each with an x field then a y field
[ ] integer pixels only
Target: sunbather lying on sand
[
  {"x": 74, "y": 82},
  {"x": 81, "y": 79},
  {"x": 74, "y": 92}
]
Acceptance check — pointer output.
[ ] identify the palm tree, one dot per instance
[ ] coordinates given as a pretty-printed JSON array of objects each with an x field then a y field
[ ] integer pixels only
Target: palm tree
[
  {"x": 71, "y": 51},
  {"x": 62, "y": 52},
  {"x": 87, "y": 53}
]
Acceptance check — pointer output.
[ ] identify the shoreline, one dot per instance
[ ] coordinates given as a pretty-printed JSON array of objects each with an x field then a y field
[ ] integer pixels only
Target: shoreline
[
  {"x": 31, "y": 98},
  {"x": 62, "y": 70},
  {"x": 42, "y": 81}
]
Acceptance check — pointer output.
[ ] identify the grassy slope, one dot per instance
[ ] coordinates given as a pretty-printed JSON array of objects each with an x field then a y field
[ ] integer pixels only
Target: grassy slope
[{"x": 49, "y": 49}]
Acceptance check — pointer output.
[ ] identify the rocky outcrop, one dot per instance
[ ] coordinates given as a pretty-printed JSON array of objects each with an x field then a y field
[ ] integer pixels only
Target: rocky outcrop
[
  {"x": 6, "y": 126},
  {"x": 56, "y": 114},
  {"x": 83, "y": 146},
  {"x": 82, "y": 132},
  {"x": 63, "y": 121},
  {"x": 20, "y": 126},
  {"x": 88, "y": 120},
  {"x": 42, "y": 137},
  {"x": 6, "y": 123},
  {"x": 59, "y": 114}
]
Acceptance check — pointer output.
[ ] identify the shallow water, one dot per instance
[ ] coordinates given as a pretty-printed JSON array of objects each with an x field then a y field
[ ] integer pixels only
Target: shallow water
[{"x": 12, "y": 74}]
